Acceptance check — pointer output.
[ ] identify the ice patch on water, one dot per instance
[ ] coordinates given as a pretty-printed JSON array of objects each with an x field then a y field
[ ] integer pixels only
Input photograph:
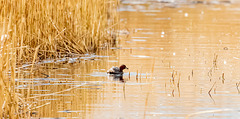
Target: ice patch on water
[
  {"x": 98, "y": 74},
  {"x": 140, "y": 37},
  {"x": 147, "y": 33},
  {"x": 140, "y": 56},
  {"x": 163, "y": 18},
  {"x": 141, "y": 40}
]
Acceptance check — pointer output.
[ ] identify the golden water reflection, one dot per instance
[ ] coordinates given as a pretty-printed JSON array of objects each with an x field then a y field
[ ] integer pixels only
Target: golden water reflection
[
  {"x": 183, "y": 61},
  {"x": 191, "y": 47}
]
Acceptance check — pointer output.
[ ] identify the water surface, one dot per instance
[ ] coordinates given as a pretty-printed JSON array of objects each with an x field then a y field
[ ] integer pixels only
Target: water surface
[{"x": 183, "y": 61}]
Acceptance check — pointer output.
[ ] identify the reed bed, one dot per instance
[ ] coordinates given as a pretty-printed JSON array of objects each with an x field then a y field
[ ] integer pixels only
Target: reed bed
[
  {"x": 8, "y": 98},
  {"x": 61, "y": 27},
  {"x": 32, "y": 30}
]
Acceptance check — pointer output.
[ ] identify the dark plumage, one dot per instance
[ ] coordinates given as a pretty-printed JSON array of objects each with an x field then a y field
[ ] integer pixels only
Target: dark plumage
[{"x": 117, "y": 70}]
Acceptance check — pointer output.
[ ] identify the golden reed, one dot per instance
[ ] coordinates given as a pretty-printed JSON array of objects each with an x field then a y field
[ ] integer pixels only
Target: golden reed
[{"x": 39, "y": 29}]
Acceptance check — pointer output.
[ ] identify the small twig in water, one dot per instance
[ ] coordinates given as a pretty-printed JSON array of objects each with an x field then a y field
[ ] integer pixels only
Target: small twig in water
[
  {"x": 45, "y": 75},
  {"x": 137, "y": 76},
  {"x": 223, "y": 79},
  {"x": 178, "y": 80},
  {"x": 215, "y": 61},
  {"x": 129, "y": 75},
  {"x": 214, "y": 67},
  {"x": 192, "y": 72},
  {"x": 211, "y": 88},
  {"x": 173, "y": 76},
  {"x": 209, "y": 92},
  {"x": 173, "y": 92},
  {"x": 146, "y": 104},
  {"x": 210, "y": 73},
  {"x": 178, "y": 84},
  {"x": 237, "y": 84}
]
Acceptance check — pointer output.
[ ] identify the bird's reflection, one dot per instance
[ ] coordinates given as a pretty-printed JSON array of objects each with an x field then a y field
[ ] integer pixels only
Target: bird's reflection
[{"x": 117, "y": 78}]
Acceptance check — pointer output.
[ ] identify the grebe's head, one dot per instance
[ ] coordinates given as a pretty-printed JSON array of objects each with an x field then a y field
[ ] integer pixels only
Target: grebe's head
[{"x": 122, "y": 67}]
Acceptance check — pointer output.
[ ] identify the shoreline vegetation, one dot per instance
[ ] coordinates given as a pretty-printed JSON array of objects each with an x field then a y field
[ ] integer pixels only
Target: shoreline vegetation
[{"x": 34, "y": 30}]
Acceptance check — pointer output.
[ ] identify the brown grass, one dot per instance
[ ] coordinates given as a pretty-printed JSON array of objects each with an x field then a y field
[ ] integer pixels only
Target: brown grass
[
  {"x": 32, "y": 30},
  {"x": 8, "y": 98},
  {"x": 59, "y": 27}
]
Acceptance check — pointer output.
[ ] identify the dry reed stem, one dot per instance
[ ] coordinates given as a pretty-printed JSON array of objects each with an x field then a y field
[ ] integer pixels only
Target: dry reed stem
[
  {"x": 173, "y": 92},
  {"x": 223, "y": 78},
  {"x": 146, "y": 104},
  {"x": 34, "y": 57},
  {"x": 178, "y": 85},
  {"x": 209, "y": 92},
  {"x": 8, "y": 100},
  {"x": 129, "y": 75},
  {"x": 237, "y": 85},
  {"x": 137, "y": 76}
]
